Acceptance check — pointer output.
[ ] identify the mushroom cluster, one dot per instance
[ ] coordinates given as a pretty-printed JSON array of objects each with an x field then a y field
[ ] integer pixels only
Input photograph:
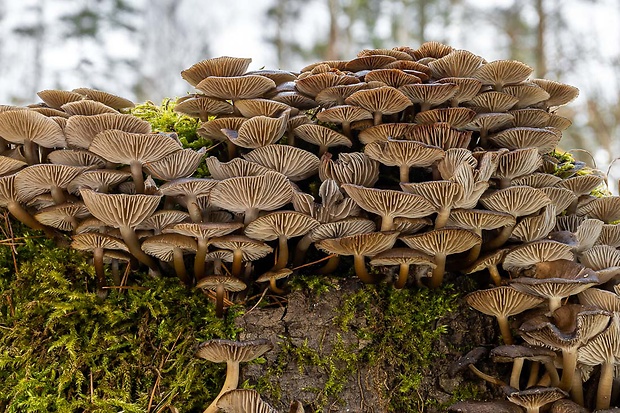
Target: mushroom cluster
[{"x": 431, "y": 157}]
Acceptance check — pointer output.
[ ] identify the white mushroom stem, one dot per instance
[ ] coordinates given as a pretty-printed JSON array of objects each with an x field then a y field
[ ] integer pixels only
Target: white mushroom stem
[
  {"x": 231, "y": 383},
  {"x": 137, "y": 177},
  {"x": 554, "y": 303},
  {"x": 504, "y": 328},
  {"x": 569, "y": 365},
  {"x": 131, "y": 239},
  {"x": 603, "y": 394}
]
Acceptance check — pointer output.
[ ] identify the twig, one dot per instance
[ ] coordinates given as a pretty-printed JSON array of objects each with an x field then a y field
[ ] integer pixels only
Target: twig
[
  {"x": 258, "y": 302},
  {"x": 315, "y": 262},
  {"x": 124, "y": 287}
]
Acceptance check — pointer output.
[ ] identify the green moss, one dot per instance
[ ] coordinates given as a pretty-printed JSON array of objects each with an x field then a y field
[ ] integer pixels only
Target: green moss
[{"x": 63, "y": 349}]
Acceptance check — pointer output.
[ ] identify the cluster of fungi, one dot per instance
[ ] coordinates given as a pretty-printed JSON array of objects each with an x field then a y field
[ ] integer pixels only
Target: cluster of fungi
[{"x": 421, "y": 159}]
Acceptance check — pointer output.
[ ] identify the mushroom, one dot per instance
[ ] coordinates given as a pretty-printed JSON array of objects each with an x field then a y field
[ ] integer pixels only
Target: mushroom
[
  {"x": 344, "y": 115},
  {"x": 43, "y": 178},
  {"x": 517, "y": 354},
  {"x": 234, "y": 168},
  {"x": 179, "y": 164},
  {"x": 202, "y": 107},
  {"x": 261, "y": 107},
  {"x": 243, "y": 248},
  {"x": 529, "y": 94},
  {"x": 106, "y": 98},
  {"x": 243, "y": 400},
  {"x": 560, "y": 93},
  {"x": 500, "y": 73},
  {"x": 171, "y": 247},
  {"x": 535, "y": 227},
  {"x": 63, "y": 216},
  {"x": 428, "y": 95},
  {"x": 235, "y": 87},
  {"x": 544, "y": 140},
  {"x": 273, "y": 276},
  {"x": 81, "y": 130},
  {"x": 606, "y": 209},
  {"x": 212, "y": 130},
  {"x": 162, "y": 219},
  {"x": 468, "y": 88},
  {"x": 516, "y": 163},
  {"x": 489, "y": 262},
  {"x": 221, "y": 284},
  {"x": 502, "y": 302},
  {"x": 492, "y": 102},
  {"x": 351, "y": 168},
  {"x": 56, "y": 98},
  {"x": 10, "y": 165},
  {"x": 296, "y": 164},
  {"x": 384, "y": 100},
  {"x": 258, "y": 131},
  {"x": 190, "y": 192},
  {"x": 533, "y": 399},
  {"x": 456, "y": 117},
  {"x": 458, "y": 63},
  {"x": 360, "y": 245},
  {"x": 87, "y": 108},
  {"x": 404, "y": 154},
  {"x": 403, "y": 257},
  {"x": 218, "y": 66},
  {"x": 486, "y": 123},
  {"x": 322, "y": 136}
]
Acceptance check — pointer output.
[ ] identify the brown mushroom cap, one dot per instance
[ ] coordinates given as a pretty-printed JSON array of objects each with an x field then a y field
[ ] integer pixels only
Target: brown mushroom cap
[
  {"x": 350, "y": 168},
  {"x": 235, "y": 87},
  {"x": 532, "y": 117},
  {"x": 405, "y": 154},
  {"x": 38, "y": 179},
  {"x": 251, "y": 249},
  {"x": 219, "y": 66},
  {"x": 600, "y": 257},
  {"x": 220, "y": 351},
  {"x": 258, "y": 131},
  {"x": 243, "y": 400},
  {"x": 125, "y": 147},
  {"x": 381, "y": 133},
  {"x": 458, "y": 63},
  {"x": 120, "y": 210},
  {"x": 516, "y": 200},
  {"x": 343, "y": 228},
  {"x": 106, "y": 98},
  {"x": 492, "y": 102},
  {"x": 545, "y": 140},
  {"x": 56, "y": 98},
  {"x": 162, "y": 246},
  {"x": 179, "y": 164},
  {"x": 236, "y": 167},
  {"x": 441, "y": 135},
  {"x": 534, "y": 398},
  {"x": 429, "y": 94},
  {"x": 91, "y": 240},
  {"x": 101, "y": 180},
  {"x": 468, "y": 89},
  {"x": 87, "y": 108},
  {"x": 202, "y": 107},
  {"x": 529, "y": 94},
  {"x": 455, "y": 117},
  {"x": 529, "y": 254},
  {"x": 162, "y": 219},
  {"x": 517, "y": 163},
  {"x": 81, "y": 130},
  {"x": 581, "y": 184},
  {"x": 10, "y": 165},
  {"x": 287, "y": 224},
  {"x": 561, "y": 93},
  {"x": 260, "y": 107},
  {"x": 322, "y": 136},
  {"x": 535, "y": 227},
  {"x": 384, "y": 100},
  {"x": 295, "y": 163},
  {"x": 606, "y": 209},
  {"x": 25, "y": 127},
  {"x": 313, "y": 84},
  {"x": 503, "y": 72},
  {"x": 64, "y": 216}
]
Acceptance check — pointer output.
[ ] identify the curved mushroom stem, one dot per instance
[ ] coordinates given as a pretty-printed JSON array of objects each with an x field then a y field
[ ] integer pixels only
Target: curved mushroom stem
[
  {"x": 403, "y": 274},
  {"x": 554, "y": 377},
  {"x": 199, "y": 259},
  {"x": 515, "y": 374},
  {"x": 438, "y": 271},
  {"x": 486, "y": 377},
  {"x": 603, "y": 393},
  {"x": 219, "y": 301},
  {"x": 137, "y": 177},
  {"x": 404, "y": 173},
  {"x": 193, "y": 208},
  {"x": 473, "y": 255},
  {"x": 23, "y": 216},
  {"x": 100, "y": 273},
  {"x": 495, "y": 277},
  {"x": 554, "y": 303},
  {"x": 58, "y": 195},
  {"x": 179, "y": 266},
  {"x": 131, "y": 239},
  {"x": 569, "y": 365},
  {"x": 500, "y": 239},
  {"x": 361, "y": 271},
  {"x": 300, "y": 250},
  {"x": 282, "y": 253},
  {"x": 273, "y": 286},
  {"x": 231, "y": 383},
  {"x": 330, "y": 267},
  {"x": 504, "y": 329}
]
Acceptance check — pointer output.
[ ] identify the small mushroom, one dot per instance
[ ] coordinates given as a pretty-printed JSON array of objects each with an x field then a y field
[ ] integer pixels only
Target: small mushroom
[{"x": 221, "y": 284}]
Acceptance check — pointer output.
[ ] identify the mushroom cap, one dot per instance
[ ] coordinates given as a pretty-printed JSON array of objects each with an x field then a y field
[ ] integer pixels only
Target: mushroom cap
[
  {"x": 234, "y": 168},
  {"x": 439, "y": 194},
  {"x": 224, "y": 255},
  {"x": 41, "y": 178},
  {"x": 202, "y": 107},
  {"x": 559, "y": 122},
  {"x": 368, "y": 62},
  {"x": 430, "y": 49},
  {"x": 120, "y": 210},
  {"x": 188, "y": 186},
  {"x": 399, "y": 55},
  {"x": 409, "y": 226},
  {"x": 535, "y": 227},
  {"x": 581, "y": 184},
  {"x": 561, "y": 93},
  {"x": 288, "y": 224},
  {"x": 321, "y": 135},
  {"x": 218, "y": 66},
  {"x": 600, "y": 257},
  {"x": 81, "y": 130},
  {"x": 76, "y": 157},
  {"x": 212, "y": 282},
  {"x": 62, "y": 216},
  {"x": 567, "y": 406},
  {"x": 367, "y": 244},
  {"x": 350, "y": 168},
  {"x": 402, "y": 256},
  {"x": 384, "y": 131},
  {"x": 457, "y": 63},
  {"x": 343, "y": 113},
  {"x": 56, "y": 98},
  {"x": 97, "y": 179},
  {"x": 604, "y": 347},
  {"x": 295, "y": 99},
  {"x": 607, "y": 209},
  {"x": 203, "y": 230},
  {"x": 503, "y": 72},
  {"x": 447, "y": 240},
  {"x": 251, "y": 248},
  {"x": 433, "y": 94},
  {"x": 87, "y": 108},
  {"x": 260, "y": 107},
  {"x": 313, "y": 84},
  {"x": 502, "y": 301},
  {"x": 265, "y": 192},
  {"x": 179, "y": 164},
  {"x": 516, "y": 200},
  {"x": 468, "y": 88},
  {"x": 588, "y": 233},
  {"x": 387, "y": 202},
  {"x": 399, "y": 152},
  {"x": 490, "y": 122},
  {"x": 532, "y": 117},
  {"x": 479, "y": 219},
  {"x": 213, "y": 128},
  {"x": 276, "y": 275},
  {"x": 441, "y": 135},
  {"x": 545, "y": 140},
  {"x": 235, "y": 87},
  {"x": 10, "y": 165},
  {"x": 106, "y": 98},
  {"x": 493, "y": 406},
  {"x": 258, "y": 131},
  {"x": 385, "y": 99},
  {"x": 456, "y": 117},
  {"x": 607, "y": 300},
  {"x": 243, "y": 400},
  {"x": 343, "y": 228},
  {"x": 560, "y": 198},
  {"x": 162, "y": 246},
  {"x": 525, "y": 255},
  {"x": 610, "y": 235},
  {"x": 508, "y": 353},
  {"x": 278, "y": 76},
  {"x": 125, "y": 147},
  {"x": 492, "y": 102},
  {"x": 391, "y": 77},
  {"x": 335, "y": 95},
  {"x": 453, "y": 159},
  {"x": 295, "y": 163},
  {"x": 161, "y": 219},
  {"x": 91, "y": 240},
  {"x": 535, "y": 397},
  {"x": 529, "y": 94},
  {"x": 517, "y": 163},
  {"x": 221, "y": 351},
  {"x": 19, "y": 126}
]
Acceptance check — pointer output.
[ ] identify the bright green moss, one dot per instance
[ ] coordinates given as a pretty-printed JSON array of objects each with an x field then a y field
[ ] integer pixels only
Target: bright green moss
[{"x": 63, "y": 349}]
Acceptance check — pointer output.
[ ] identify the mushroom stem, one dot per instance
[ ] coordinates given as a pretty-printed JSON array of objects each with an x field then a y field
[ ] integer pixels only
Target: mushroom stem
[
  {"x": 473, "y": 254},
  {"x": 231, "y": 383},
  {"x": 199, "y": 259},
  {"x": 533, "y": 378},
  {"x": 438, "y": 271},
  {"x": 219, "y": 301},
  {"x": 346, "y": 129},
  {"x": 553, "y": 373},
  {"x": 58, "y": 195},
  {"x": 300, "y": 250},
  {"x": 250, "y": 215},
  {"x": 131, "y": 239},
  {"x": 22, "y": 215},
  {"x": 569, "y": 365},
  {"x": 504, "y": 328},
  {"x": 282, "y": 253},
  {"x": 179, "y": 266},
  {"x": 377, "y": 118},
  {"x": 554, "y": 303},
  {"x": 603, "y": 394},
  {"x": 274, "y": 287},
  {"x": 322, "y": 150},
  {"x": 442, "y": 217},
  {"x": 137, "y": 177},
  {"x": 495, "y": 277},
  {"x": 99, "y": 272},
  {"x": 331, "y": 266},
  {"x": 404, "y": 173},
  {"x": 116, "y": 276},
  {"x": 361, "y": 271},
  {"x": 387, "y": 222},
  {"x": 232, "y": 149},
  {"x": 403, "y": 274},
  {"x": 217, "y": 266},
  {"x": 576, "y": 391},
  {"x": 500, "y": 239},
  {"x": 504, "y": 183},
  {"x": 237, "y": 263},
  {"x": 193, "y": 208},
  {"x": 515, "y": 374},
  {"x": 486, "y": 377},
  {"x": 30, "y": 152}
]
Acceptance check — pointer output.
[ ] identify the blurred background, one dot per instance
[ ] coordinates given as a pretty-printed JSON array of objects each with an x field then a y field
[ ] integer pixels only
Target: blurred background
[{"x": 137, "y": 48}]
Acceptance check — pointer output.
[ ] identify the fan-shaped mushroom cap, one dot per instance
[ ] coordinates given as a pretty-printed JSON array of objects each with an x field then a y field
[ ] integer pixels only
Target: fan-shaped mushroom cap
[
  {"x": 251, "y": 249},
  {"x": 249, "y": 194},
  {"x": 345, "y": 115},
  {"x": 516, "y": 200},
  {"x": 517, "y": 163},
  {"x": 453, "y": 159},
  {"x": 351, "y": 168},
  {"x": 429, "y": 94},
  {"x": 538, "y": 180},
  {"x": 25, "y": 127},
  {"x": 458, "y": 63},
  {"x": 101, "y": 180},
  {"x": 243, "y": 400},
  {"x": 530, "y": 117},
  {"x": 92, "y": 240},
  {"x": 192, "y": 193},
  {"x": 106, "y": 98},
  {"x": 202, "y": 107},
  {"x": 295, "y": 100},
  {"x": 492, "y": 102},
  {"x": 343, "y": 228},
  {"x": 529, "y": 94},
  {"x": 581, "y": 184},
  {"x": 10, "y": 165},
  {"x": 203, "y": 230},
  {"x": 213, "y": 128},
  {"x": 368, "y": 62},
  {"x": 236, "y": 87},
  {"x": 313, "y": 84},
  {"x": 529, "y": 254},
  {"x": 409, "y": 226},
  {"x": 490, "y": 262},
  {"x": 544, "y": 140},
  {"x": 535, "y": 227},
  {"x": 391, "y": 77},
  {"x": 120, "y": 210},
  {"x": 76, "y": 157},
  {"x": 295, "y": 163},
  {"x": 179, "y": 164},
  {"x": 600, "y": 257},
  {"x": 489, "y": 122},
  {"x": 233, "y": 284},
  {"x": 503, "y": 72},
  {"x": 404, "y": 154},
  {"x": 477, "y": 220},
  {"x": 64, "y": 216},
  {"x": 277, "y": 224},
  {"x": 236, "y": 167},
  {"x": 125, "y": 147},
  {"x": 385, "y": 131},
  {"x": 607, "y": 300},
  {"x": 561, "y": 93},
  {"x": 455, "y": 117},
  {"x": 606, "y": 209},
  {"x": 56, "y": 98},
  {"x": 559, "y": 122},
  {"x": 567, "y": 406},
  {"x": 389, "y": 204},
  {"x": 468, "y": 89},
  {"x": 610, "y": 235},
  {"x": 258, "y": 131},
  {"x": 81, "y": 130},
  {"x": 218, "y": 66},
  {"x": 162, "y": 219},
  {"x": 38, "y": 179},
  {"x": 260, "y": 107},
  {"x": 220, "y": 351},
  {"x": 441, "y": 135},
  {"x": 384, "y": 100},
  {"x": 534, "y": 398},
  {"x": 162, "y": 246},
  {"x": 87, "y": 108},
  {"x": 322, "y": 136},
  {"x": 502, "y": 302},
  {"x": 335, "y": 95}
]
